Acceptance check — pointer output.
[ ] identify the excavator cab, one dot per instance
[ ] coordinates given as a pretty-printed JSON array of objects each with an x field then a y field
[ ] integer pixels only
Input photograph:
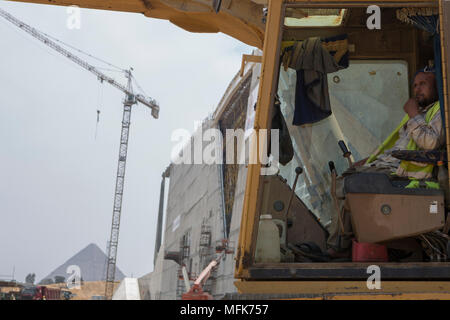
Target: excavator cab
[{"x": 375, "y": 52}]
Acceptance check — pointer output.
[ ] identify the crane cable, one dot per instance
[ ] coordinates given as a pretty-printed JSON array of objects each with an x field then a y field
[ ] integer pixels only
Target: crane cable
[
  {"x": 99, "y": 102},
  {"x": 85, "y": 53},
  {"x": 138, "y": 86}
]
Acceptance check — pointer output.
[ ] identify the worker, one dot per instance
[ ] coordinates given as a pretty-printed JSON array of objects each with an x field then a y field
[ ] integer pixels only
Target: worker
[{"x": 420, "y": 129}]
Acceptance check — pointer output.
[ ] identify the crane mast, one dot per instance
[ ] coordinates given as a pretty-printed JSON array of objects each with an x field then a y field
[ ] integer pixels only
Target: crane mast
[
  {"x": 129, "y": 101},
  {"x": 118, "y": 193}
]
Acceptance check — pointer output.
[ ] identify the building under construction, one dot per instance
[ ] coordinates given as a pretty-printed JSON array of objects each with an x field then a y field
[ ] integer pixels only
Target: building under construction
[{"x": 204, "y": 204}]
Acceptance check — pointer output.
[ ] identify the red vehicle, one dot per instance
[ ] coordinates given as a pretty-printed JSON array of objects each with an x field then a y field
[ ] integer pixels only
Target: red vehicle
[{"x": 41, "y": 293}]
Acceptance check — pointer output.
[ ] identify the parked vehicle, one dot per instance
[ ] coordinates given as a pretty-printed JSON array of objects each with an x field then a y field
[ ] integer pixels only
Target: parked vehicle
[
  {"x": 66, "y": 295},
  {"x": 41, "y": 293}
]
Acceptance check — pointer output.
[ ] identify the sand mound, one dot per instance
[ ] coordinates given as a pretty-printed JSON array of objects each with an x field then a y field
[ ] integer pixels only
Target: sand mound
[{"x": 87, "y": 290}]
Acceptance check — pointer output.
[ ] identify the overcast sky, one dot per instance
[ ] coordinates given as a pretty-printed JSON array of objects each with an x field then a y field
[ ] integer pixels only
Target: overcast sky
[{"x": 56, "y": 178}]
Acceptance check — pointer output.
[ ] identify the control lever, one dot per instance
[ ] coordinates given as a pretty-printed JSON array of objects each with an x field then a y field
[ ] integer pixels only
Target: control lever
[
  {"x": 331, "y": 166},
  {"x": 345, "y": 152},
  {"x": 333, "y": 192},
  {"x": 298, "y": 171},
  {"x": 340, "y": 211},
  {"x": 333, "y": 183}
]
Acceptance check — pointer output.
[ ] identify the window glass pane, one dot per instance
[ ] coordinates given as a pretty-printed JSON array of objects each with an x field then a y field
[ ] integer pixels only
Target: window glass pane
[
  {"x": 298, "y": 17},
  {"x": 367, "y": 102}
]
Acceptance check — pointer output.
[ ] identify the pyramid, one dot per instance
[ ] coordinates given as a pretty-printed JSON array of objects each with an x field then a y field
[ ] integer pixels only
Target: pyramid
[{"x": 92, "y": 263}]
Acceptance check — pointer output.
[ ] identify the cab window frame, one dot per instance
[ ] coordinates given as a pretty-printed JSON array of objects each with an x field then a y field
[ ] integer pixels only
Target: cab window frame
[{"x": 246, "y": 268}]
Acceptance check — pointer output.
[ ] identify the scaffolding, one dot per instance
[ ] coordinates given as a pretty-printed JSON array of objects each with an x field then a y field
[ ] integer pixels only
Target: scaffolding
[
  {"x": 185, "y": 251},
  {"x": 206, "y": 253},
  {"x": 233, "y": 118}
]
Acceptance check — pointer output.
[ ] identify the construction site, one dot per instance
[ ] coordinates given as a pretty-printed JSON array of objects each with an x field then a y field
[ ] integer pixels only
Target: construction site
[{"x": 321, "y": 173}]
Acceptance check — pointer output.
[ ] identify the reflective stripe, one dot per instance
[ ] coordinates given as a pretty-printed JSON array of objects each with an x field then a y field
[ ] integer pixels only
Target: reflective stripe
[
  {"x": 409, "y": 166},
  {"x": 390, "y": 141},
  {"x": 415, "y": 184}
]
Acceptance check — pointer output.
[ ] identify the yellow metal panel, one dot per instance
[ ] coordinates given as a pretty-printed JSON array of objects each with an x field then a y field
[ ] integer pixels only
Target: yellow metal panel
[
  {"x": 348, "y": 289},
  {"x": 269, "y": 64},
  {"x": 240, "y": 19},
  {"x": 340, "y": 3},
  {"x": 401, "y": 296},
  {"x": 248, "y": 58}
]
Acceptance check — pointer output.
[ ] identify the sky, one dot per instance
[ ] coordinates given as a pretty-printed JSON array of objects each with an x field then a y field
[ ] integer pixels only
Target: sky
[{"x": 58, "y": 164}]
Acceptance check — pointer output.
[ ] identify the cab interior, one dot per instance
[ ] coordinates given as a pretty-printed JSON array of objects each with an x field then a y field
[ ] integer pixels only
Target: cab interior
[{"x": 366, "y": 98}]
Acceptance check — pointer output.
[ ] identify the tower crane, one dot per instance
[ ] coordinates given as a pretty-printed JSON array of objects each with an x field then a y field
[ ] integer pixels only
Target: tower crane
[{"x": 130, "y": 99}]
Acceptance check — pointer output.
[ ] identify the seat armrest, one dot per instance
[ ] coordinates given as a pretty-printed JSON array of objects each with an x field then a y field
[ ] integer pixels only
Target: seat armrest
[{"x": 425, "y": 156}]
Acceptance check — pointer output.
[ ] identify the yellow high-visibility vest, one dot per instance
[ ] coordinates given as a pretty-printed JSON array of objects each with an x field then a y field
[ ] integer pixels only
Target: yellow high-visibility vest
[{"x": 390, "y": 141}]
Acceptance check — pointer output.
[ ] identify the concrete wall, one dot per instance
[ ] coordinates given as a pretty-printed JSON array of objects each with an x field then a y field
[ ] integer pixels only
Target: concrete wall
[
  {"x": 195, "y": 196},
  {"x": 225, "y": 271}
]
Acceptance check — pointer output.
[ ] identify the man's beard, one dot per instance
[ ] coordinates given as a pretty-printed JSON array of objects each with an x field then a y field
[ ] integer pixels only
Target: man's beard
[{"x": 426, "y": 102}]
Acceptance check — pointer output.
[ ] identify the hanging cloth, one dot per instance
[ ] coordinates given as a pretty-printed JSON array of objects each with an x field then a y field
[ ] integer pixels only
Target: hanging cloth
[
  {"x": 286, "y": 150},
  {"x": 313, "y": 59}
]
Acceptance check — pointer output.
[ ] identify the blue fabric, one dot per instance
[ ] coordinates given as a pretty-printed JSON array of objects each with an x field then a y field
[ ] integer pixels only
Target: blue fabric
[
  {"x": 426, "y": 69},
  {"x": 427, "y": 23},
  {"x": 305, "y": 110}
]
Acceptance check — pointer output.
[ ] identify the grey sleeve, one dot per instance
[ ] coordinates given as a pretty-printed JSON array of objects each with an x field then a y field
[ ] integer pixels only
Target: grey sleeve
[{"x": 427, "y": 136}]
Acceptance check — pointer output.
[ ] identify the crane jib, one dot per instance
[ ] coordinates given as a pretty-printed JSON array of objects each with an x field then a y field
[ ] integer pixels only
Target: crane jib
[{"x": 41, "y": 37}]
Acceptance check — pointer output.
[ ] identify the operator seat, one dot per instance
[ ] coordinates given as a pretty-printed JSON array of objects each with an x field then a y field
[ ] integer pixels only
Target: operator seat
[{"x": 382, "y": 209}]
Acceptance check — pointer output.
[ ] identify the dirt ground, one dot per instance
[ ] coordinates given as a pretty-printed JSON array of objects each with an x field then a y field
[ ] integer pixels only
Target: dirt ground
[{"x": 8, "y": 289}]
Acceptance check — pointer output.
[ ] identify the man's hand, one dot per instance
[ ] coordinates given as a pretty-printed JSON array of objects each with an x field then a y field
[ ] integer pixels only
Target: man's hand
[{"x": 411, "y": 107}]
